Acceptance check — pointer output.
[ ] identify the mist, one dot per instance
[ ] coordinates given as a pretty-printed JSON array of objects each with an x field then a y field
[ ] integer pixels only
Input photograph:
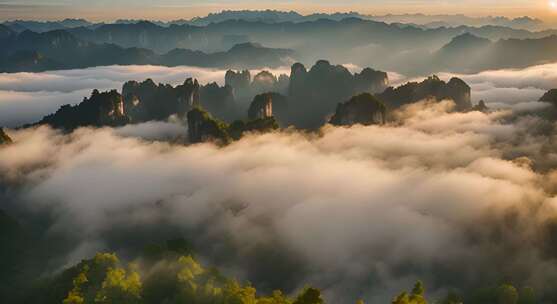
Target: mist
[
  {"x": 27, "y": 97},
  {"x": 362, "y": 211}
]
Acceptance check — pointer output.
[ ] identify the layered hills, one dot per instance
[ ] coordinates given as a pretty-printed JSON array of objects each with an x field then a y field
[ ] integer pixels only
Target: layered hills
[{"x": 32, "y": 52}]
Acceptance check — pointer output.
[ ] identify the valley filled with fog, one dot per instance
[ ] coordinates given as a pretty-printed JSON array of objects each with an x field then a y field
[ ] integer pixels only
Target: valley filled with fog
[{"x": 266, "y": 157}]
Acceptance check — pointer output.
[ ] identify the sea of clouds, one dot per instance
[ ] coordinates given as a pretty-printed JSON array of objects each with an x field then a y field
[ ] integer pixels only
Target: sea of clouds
[
  {"x": 27, "y": 97},
  {"x": 458, "y": 200}
]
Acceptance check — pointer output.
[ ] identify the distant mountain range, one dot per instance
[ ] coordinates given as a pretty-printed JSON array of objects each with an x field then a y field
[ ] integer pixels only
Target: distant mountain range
[
  {"x": 275, "y": 16},
  {"x": 431, "y": 21},
  {"x": 469, "y": 54},
  {"x": 435, "y": 21},
  {"x": 31, "y": 52},
  {"x": 352, "y": 32},
  {"x": 45, "y": 26},
  {"x": 237, "y": 43}
]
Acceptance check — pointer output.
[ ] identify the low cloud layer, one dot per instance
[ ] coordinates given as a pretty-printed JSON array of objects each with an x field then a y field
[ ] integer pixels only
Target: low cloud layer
[
  {"x": 449, "y": 198},
  {"x": 504, "y": 87},
  {"x": 459, "y": 200},
  {"x": 26, "y": 97}
]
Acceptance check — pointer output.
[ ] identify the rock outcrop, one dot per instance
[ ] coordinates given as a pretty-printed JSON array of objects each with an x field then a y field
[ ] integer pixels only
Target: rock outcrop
[
  {"x": 362, "y": 109},
  {"x": 239, "y": 81},
  {"x": 459, "y": 91},
  {"x": 145, "y": 101},
  {"x": 101, "y": 109},
  {"x": 203, "y": 127},
  {"x": 298, "y": 76},
  {"x": 370, "y": 80},
  {"x": 148, "y": 101},
  {"x": 219, "y": 101},
  {"x": 431, "y": 88},
  {"x": 480, "y": 107},
  {"x": 261, "y": 107},
  {"x": 245, "y": 88},
  {"x": 315, "y": 93},
  {"x": 305, "y": 98},
  {"x": 550, "y": 96},
  {"x": 4, "y": 138},
  {"x": 313, "y": 96},
  {"x": 261, "y": 125},
  {"x": 263, "y": 82},
  {"x": 270, "y": 105}
]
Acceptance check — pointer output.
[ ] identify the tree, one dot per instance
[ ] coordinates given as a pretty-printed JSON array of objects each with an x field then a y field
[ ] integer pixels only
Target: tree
[
  {"x": 416, "y": 297},
  {"x": 527, "y": 296},
  {"x": 309, "y": 296},
  {"x": 75, "y": 296},
  {"x": 507, "y": 294},
  {"x": 120, "y": 287},
  {"x": 452, "y": 298},
  {"x": 101, "y": 281},
  {"x": 276, "y": 298}
]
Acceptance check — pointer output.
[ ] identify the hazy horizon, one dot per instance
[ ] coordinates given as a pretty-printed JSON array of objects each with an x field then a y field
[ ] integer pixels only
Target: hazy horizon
[{"x": 172, "y": 9}]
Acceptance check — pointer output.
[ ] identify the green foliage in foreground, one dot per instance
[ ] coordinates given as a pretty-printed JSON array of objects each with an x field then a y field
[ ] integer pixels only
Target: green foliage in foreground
[
  {"x": 104, "y": 280},
  {"x": 417, "y": 296},
  {"x": 168, "y": 273},
  {"x": 181, "y": 279}
]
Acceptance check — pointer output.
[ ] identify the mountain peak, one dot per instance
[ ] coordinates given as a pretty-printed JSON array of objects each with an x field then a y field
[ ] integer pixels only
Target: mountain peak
[
  {"x": 4, "y": 138},
  {"x": 469, "y": 37},
  {"x": 465, "y": 41},
  {"x": 246, "y": 45}
]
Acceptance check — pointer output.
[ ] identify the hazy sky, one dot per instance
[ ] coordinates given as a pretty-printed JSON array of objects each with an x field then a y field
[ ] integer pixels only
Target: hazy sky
[{"x": 175, "y": 9}]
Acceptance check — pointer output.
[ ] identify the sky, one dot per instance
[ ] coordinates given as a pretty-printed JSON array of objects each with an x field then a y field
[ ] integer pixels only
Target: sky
[{"x": 106, "y": 10}]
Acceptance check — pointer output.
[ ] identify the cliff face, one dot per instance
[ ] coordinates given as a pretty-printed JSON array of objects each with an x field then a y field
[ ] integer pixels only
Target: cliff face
[
  {"x": 315, "y": 93},
  {"x": 145, "y": 101},
  {"x": 261, "y": 107},
  {"x": 245, "y": 88},
  {"x": 458, "y": 91},
  {"x": 270, "y": 105},
  {"x": 480, "y": 107},
  {"x": 260, "y": 125},
  {"x": 4, "y": 138},
  {"x": 432, "y": 87},
  {"x": 238, "y": 80},
  {"x": 371, "y": 81},
  {"x": 298, "y": 76},
  {"x": 314, "y": 96},
  {"x": 101, "y": 109},
  {"x": 264, "y": 82},
  {"x": 305, "y": 98},
  {"x": 219, "y": 101},
  {"x": 362, "y": 109},
  {"x": 148, "y": 101}
]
